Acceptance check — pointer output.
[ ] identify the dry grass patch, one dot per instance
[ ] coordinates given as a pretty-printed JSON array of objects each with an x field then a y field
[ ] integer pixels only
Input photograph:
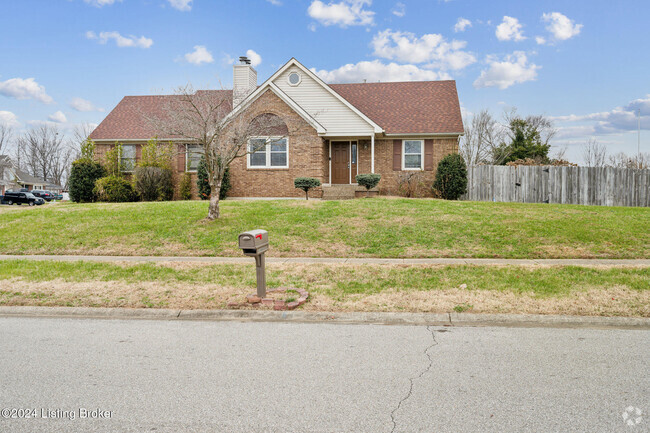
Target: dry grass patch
[{"x": 605, "y": 291}]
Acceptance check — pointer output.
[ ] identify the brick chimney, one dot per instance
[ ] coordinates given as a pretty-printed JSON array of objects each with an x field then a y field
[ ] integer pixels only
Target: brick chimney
[{"x": 244, "y": 80}]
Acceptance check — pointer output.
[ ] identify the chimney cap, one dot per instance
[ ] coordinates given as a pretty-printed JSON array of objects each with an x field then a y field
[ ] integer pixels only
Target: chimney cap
[{"x": 244, "y": 60}]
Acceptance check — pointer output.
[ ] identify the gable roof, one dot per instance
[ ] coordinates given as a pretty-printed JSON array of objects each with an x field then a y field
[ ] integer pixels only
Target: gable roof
[
  {"x": 420, "y": 107},
  {"x": 412, "y": 107},
  {"x": 24, "y": 177},
  {"x": 126, "y": 121}
]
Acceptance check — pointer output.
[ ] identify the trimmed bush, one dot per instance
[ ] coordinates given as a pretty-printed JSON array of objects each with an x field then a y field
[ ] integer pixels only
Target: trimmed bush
[
  {"x": 115, "y": 189},
  {"x": 185, "y": 189},
  {"x": 154, "y": 183},
  {"x": 305, "y": 184},
  {"x": 451, "y": 177},
  {"x": 369, "y": 181},
  {"x": 83, "y": 175},
  {"x": 203, "y": 181}
]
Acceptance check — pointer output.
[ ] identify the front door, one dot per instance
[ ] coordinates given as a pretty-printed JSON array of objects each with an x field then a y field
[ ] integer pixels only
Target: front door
[{"x": 341, "y": 162}]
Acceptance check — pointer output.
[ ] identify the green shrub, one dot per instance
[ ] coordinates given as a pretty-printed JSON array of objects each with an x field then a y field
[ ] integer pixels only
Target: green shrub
[
  {"x": 112, "y": 160},
  {"x": 451, "y": 177},
  {"x": 369, "y": 181},
  {"x": 203, "y": 182},
  {"x": 114, "y": 189},
  {"x": 305, "y": 184},
  {"x": 225, "y": 184},
  {"x": 83, "y": 175},
  {"x": 154, "y": 183},
  {"x": 185, "y": 190}
]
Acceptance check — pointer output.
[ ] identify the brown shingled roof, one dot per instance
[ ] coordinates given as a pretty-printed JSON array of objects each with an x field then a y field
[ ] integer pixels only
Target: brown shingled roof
[
  {"x": 125, "y": 122},
  {"x": 407, "y": 107},
  {"x": 415, "y": 107}
]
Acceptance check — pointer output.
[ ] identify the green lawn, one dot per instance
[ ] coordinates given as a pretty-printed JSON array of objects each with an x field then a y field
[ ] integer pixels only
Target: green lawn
[
  {"x": 337, "y": 287},
  {"x": 380, "y": 227}
]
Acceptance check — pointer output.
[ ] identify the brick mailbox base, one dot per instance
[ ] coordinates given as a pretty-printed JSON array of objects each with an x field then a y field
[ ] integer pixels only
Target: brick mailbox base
[{"x": 277, "y": 304}]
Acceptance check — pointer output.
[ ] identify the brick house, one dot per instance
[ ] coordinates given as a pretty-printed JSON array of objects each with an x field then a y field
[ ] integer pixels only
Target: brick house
[{"x": 344, "y": 130}]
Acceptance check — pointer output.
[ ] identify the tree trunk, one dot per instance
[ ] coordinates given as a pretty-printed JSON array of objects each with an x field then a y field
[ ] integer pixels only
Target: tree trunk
[
  {"x": 213, "y": 211},
  {"x": 306, "y": 194}
]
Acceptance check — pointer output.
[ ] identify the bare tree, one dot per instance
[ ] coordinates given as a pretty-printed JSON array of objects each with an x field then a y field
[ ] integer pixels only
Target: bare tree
[
  {"x": 6, "y": 133},
  {"x": 206, "y": 118},
  {"x": 483, "y": 134},
  {"x": 594, "y": 154},
  {"x": 622, "y": 160},
  {"x": 42, "y": 153}
]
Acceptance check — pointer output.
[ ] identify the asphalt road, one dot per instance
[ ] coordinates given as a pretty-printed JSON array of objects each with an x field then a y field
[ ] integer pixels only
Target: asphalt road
[{"x": 193, "y": 376}]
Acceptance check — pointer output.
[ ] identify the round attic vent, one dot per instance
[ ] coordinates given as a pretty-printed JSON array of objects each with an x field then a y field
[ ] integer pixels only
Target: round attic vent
[{"x": 294, "y": 79}]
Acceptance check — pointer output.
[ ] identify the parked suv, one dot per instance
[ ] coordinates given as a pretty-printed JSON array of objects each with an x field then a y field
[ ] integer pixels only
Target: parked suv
[
  {"x": 45, "y": 195},
  {"x": 19, "y": 198}
]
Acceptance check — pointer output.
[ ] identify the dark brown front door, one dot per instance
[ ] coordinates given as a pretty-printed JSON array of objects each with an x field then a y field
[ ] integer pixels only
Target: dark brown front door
[{"x": 340, "y": 162}]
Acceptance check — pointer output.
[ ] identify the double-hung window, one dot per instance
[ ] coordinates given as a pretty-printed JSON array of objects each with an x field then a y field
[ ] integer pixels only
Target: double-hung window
[
  {"x": 412, "y": 155},
  {"x": 268, "y": 152},
  {"x": 193, "y": 156},
  {"x": 127, "y": 157}
]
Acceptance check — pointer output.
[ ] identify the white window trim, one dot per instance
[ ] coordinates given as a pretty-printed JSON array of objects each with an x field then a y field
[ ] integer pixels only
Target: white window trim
[
  {"x": 187, "y": 157},
  {"x": 268, "y": 154},
  {"x": 299, "y": 78},
  {"x": 404, "y": 156}
]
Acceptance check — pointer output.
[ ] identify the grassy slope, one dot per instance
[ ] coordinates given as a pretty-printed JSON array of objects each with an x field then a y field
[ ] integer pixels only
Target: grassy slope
[
  {"x": 568, "y": 290},
  {"x": 364, "y": 228}
]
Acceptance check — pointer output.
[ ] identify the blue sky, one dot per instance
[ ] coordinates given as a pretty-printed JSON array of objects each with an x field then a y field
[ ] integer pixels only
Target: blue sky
[{"x": 585, "y": 63}]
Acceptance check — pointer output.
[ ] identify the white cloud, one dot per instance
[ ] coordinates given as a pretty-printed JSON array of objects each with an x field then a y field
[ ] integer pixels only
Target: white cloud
[
  {"x": 513, "y": 69},
  {"x": 255, "y": 58},
  {"x": 100, "y": 3},
  {"x": 377, "y": 71},
  {"x": 433, "y": 48},
  {"x": 120, "y": 41},
  {"x": 343, "y": 14},
  {"x": 619, "y": 119},
  {"x": 275, "y": 2},
  {"x": 560, "y": 26},
  {"x": 8, "y": 118},
  {"x": 462, "y": 24},
  {"x": 199, "y": 55},
  {"x": 541, "y": 40},
  {"x": 399, "y": 10},
  {"x": 58, "y": 117},
  {"x": 181, "y": 5},
  {"x": 83, "y": 105},
  {"x": 24, "y": 88},
  {"x": 510, "y": 30}
]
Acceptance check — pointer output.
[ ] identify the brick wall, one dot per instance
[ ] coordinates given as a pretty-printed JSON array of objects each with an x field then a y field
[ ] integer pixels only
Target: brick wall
[
  {"x": 307, "y": 157},
  {"x": 389, "y": 184}
]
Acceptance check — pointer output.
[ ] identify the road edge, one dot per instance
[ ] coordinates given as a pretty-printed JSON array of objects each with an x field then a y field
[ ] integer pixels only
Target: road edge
[{"x": 378, "y": 318}]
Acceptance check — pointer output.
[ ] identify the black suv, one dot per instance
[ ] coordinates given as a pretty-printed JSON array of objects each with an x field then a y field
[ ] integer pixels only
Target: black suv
[
  {"x": 19, "y": 198},
  {"x": 45, "y": 195}
]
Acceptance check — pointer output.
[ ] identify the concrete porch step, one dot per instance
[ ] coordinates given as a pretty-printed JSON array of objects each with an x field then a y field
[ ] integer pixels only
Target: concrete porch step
[{"x": 339, "y": 192}]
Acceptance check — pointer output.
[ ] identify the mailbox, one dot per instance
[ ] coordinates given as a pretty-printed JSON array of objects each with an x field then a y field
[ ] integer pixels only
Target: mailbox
[{"x": 255, "y": 243}]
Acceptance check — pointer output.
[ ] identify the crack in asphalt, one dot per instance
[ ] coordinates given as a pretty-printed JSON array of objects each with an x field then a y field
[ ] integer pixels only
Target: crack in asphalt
[{"x": 413, "y": 379}]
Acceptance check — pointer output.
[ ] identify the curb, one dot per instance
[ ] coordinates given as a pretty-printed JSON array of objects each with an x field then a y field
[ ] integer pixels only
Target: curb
[{"x": 378, "y": 318}]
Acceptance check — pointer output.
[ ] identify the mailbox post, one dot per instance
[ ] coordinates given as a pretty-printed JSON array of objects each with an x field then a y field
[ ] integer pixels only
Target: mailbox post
[{"x": 255, "y": 243}]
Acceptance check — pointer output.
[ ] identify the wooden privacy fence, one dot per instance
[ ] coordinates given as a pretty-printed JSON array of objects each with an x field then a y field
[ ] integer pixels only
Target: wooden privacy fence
[{"x": 601, "y": 186}]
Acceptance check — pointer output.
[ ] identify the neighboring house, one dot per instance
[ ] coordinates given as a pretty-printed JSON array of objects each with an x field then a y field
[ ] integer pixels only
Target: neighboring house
[
  {"x": 14, "y": 178},
  {"x": 346, "y": 129}
]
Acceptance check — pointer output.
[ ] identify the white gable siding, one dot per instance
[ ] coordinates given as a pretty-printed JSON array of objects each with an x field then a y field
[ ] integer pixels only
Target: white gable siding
[{"x": 333, "y": 114}]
